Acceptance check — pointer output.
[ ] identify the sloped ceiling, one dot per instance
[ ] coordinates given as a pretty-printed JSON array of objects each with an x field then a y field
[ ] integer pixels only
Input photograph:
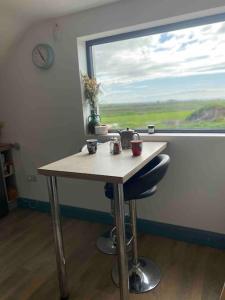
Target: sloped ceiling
[{"x": 17, "y": 15}]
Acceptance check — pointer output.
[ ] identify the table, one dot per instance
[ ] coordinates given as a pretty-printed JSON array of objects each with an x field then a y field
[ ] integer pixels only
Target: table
[{"x": 102, "y": 166}]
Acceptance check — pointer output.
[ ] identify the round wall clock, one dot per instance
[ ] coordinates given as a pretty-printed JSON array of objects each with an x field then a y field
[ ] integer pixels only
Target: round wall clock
[{"x": 43, "y": 56}]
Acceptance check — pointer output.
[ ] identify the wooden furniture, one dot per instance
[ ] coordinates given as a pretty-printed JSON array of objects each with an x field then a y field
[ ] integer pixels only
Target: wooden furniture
[
  {"x": 101, "y": 166},
  {"x": 8, "y": 191}
]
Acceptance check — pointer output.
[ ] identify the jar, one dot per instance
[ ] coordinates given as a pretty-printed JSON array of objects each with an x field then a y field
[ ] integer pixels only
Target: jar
[
  {"x": 151, "y": 129},
  {"x": 115, "y": 146}
]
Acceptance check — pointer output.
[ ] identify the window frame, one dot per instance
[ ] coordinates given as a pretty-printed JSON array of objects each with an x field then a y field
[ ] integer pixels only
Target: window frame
[{"x": 150, "y": 31}]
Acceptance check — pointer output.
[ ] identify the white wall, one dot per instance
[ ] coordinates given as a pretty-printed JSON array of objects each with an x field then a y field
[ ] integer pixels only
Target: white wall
[{"x": 43, "y": 112}]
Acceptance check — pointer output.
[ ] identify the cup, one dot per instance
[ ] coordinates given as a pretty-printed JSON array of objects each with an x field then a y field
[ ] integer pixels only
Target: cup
[
  {"x": 92, "y": 146},
  {"x": 136, "y": 147}
]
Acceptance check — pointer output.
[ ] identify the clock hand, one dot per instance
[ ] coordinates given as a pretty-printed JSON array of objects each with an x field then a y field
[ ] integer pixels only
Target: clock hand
[{"x": 41, "y": 55}]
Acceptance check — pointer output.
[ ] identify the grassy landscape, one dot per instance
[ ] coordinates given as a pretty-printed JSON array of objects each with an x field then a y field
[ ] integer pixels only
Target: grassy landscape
[{"x": 194, "y": 114}]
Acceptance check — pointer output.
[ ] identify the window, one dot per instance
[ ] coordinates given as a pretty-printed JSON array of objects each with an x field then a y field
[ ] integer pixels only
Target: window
[{"x": 172, "y": 76}]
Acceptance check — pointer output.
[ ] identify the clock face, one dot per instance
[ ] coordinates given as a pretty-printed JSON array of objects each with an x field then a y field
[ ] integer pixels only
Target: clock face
[{"x": 43, "y": 56}]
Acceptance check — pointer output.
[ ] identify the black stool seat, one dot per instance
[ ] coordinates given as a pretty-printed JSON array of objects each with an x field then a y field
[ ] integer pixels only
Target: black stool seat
[
  {"x": 148, "y": 193},
  {"x": 144, "y": 183}
]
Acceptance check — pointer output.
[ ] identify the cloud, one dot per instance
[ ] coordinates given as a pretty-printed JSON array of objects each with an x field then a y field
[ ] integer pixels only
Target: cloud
[{"x": 187, "y": 52}]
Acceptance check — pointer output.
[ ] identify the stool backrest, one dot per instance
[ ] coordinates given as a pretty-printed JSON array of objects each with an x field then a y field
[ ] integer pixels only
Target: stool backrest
[{"x": 147, "y": 177}]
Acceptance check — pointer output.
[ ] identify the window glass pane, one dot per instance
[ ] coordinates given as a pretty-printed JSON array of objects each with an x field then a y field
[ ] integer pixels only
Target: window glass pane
[{"x": 175, "y": 80}]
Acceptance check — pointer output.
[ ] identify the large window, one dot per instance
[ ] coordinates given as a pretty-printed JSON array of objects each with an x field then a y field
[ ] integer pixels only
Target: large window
[{"x": 172, "y": 76}]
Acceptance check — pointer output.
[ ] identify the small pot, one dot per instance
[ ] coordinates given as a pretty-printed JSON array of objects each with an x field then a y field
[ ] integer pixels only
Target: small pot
[{"x": 101, "y": 129}]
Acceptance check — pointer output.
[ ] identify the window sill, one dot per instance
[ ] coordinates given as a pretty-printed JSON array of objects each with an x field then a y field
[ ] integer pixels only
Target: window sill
[{"x": 161, "y": 136}]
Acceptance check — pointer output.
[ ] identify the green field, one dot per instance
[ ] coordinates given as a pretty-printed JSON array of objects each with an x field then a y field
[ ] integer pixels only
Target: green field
[{"x": 166, "y": 115}]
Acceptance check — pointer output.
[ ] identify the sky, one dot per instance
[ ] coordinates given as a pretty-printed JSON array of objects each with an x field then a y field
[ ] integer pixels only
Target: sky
[{"x": 185, "y": 64}]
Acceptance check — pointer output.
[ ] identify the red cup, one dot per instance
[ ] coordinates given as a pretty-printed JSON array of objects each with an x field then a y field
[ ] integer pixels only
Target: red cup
[{"x": 136, "y": 147}]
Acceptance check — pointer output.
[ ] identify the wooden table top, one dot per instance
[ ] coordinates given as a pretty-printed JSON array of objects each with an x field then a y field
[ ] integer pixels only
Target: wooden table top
[{"x": 103, "y": 166}]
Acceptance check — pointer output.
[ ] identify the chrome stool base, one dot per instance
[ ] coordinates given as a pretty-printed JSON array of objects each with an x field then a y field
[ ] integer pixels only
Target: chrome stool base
[
  {"x": 143, "y": 277},
  {"x": 106, "y": 243}
]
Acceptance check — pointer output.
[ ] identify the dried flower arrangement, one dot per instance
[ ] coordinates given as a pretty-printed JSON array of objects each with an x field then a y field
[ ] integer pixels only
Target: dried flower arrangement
[{"x": 91, "y": 90}]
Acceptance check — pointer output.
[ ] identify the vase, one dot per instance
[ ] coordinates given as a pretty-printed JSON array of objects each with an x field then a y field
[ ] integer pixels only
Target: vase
[{"x": 93, "y": 120}]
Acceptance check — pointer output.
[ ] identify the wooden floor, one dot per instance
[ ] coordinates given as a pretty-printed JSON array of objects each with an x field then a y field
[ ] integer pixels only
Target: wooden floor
[{"x": 28, "y": 270}]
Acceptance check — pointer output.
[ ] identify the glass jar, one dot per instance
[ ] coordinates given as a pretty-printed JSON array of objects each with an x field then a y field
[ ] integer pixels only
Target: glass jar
[
  {"x": 115, "y": 146},
  {"x": 151, "y": 129}
]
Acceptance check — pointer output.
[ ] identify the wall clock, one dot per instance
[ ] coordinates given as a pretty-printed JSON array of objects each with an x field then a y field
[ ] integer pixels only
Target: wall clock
[{"x": 43, "y": 56}]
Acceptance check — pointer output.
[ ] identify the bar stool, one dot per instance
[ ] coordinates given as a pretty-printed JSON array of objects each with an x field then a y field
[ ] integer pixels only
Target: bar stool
[{"x": 144, "y": 275}]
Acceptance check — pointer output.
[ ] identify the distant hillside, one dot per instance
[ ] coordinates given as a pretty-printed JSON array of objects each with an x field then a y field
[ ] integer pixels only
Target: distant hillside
[{"x": 208, "y": 113}]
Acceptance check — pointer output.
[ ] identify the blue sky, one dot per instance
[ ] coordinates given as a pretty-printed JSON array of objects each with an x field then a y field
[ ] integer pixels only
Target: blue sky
[{"x": 184, "y": 64}]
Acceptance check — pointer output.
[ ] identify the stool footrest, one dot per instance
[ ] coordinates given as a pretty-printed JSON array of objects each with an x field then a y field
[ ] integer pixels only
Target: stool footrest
[{"x": 106, "y": 243}]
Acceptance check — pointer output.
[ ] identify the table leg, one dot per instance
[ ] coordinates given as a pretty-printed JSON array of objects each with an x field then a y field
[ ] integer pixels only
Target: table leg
[
  {"x": 121, "y": 242},
  {"x": 58, "y": 237}
]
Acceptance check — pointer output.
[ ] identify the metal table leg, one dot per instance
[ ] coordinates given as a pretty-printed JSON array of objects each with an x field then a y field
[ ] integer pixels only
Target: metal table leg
[
  {"x": 121, "y": 241},
  {"x": 58, "y": 238}
]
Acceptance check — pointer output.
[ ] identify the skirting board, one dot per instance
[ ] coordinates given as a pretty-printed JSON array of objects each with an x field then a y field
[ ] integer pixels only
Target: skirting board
[{"x": 191, "y": 235}]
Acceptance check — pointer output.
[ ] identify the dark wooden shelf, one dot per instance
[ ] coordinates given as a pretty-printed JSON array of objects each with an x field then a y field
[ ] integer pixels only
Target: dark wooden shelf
[{"x": 8, "y": 190}]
